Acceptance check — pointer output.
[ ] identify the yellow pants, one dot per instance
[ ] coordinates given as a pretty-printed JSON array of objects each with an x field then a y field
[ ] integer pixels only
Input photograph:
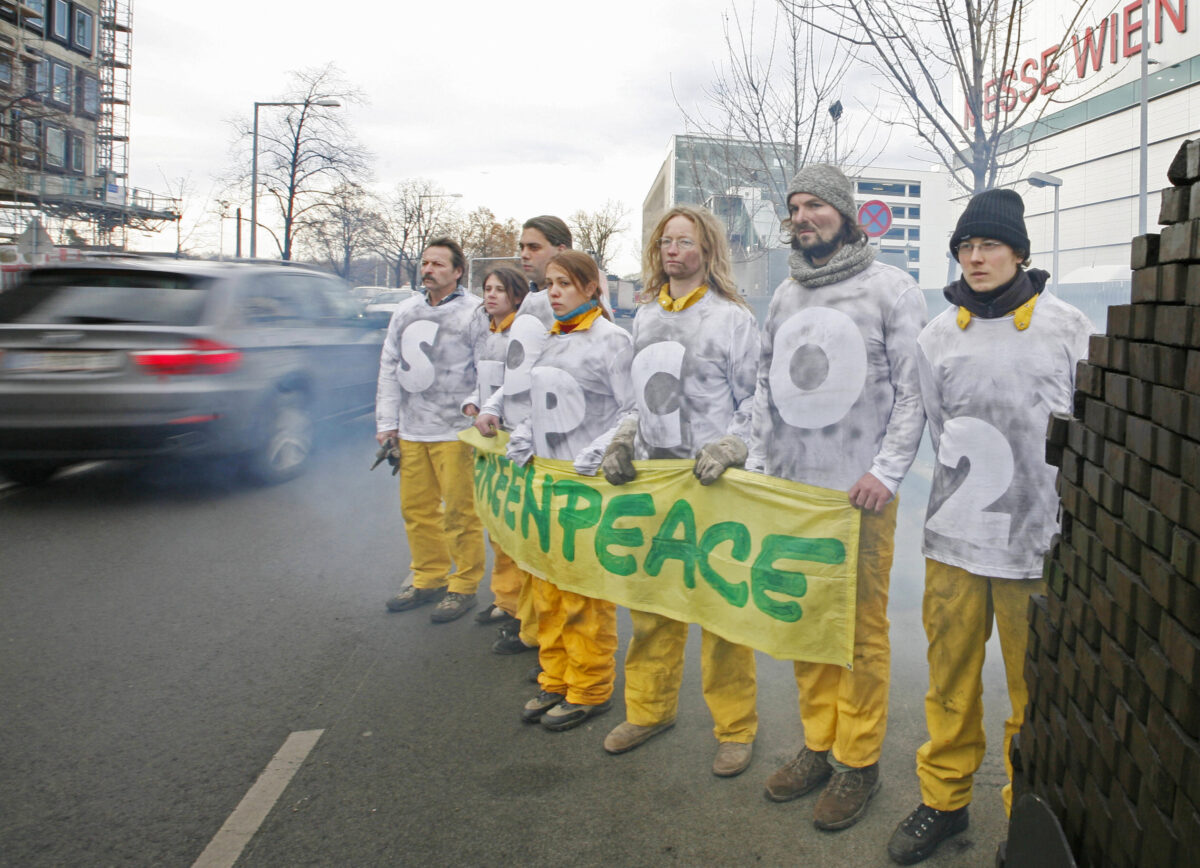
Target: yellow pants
[
  {"x": 437, "y": 500},
  {"x": 958, "y": 610},
  {"x": 845, "y": 709},
  {"x": 654, "y": 672},
  {"x": 577, "y": 644},
  {"x": 527, "y": 610},
  {"x": 507, "y": 579}
]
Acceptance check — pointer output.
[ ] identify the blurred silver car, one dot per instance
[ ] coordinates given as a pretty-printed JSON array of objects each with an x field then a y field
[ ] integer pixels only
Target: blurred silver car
[{"x": 130, "y": 358}]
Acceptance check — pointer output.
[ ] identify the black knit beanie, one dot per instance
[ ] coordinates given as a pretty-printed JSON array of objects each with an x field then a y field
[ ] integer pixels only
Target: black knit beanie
[{"x": 998, "y": 214}]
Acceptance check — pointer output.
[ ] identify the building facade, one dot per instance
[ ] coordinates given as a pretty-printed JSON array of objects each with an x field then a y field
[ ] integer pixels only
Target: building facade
[
  {"x": 1088, "y": 134},
  {"x": 64, "y": 126},
  {"x": 745, "y": 184}
]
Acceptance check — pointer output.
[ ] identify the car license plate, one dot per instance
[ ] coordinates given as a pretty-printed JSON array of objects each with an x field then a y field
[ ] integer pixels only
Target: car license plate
[{"x": 59, "y": 361}]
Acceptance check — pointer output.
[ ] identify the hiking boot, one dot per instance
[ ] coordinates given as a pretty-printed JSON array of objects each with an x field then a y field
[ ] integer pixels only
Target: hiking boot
[
  {"x": 411, "y": 597},
  {"x": 803, "y": 774},
  {"x": 919, "y": 834},
  {"x": 493, "y": 614},
  {"x": 451, "y": 607},
  {"x": 732, "y": 758},
  {"x": 539, "y": 705},
  {"x": 509, "y": 641},
  {"x": 626, "y": 736},
  {"x": 532, "y": 675},
  {"x": 568, "y": 715},
  {"x": 844, "y": 799}
]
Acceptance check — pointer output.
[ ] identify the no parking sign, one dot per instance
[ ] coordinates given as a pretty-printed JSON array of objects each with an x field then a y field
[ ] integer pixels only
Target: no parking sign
[{"x": 875, "y": 218}]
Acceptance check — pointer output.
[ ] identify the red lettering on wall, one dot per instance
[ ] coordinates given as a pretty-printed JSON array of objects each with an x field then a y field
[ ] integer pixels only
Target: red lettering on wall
[
  {"x": 1048, "y": 68},
  {"x": 1033, "y": 83},
  {"x": 1178, "y": 17},
  {"x": 989, "y": 99},
  {"x": 1093, "y": 48},
  {"x": 1129, "y": 28}
]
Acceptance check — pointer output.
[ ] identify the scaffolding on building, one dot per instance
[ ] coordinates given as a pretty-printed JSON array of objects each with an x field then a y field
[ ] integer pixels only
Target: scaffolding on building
[{"x": 97, "y": 210}]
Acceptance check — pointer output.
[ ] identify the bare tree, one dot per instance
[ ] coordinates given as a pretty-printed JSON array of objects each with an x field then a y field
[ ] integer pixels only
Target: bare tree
[
  {"x": 597, "y": 231},
  {"x": 766, "y": 114},
  {"x": 344, "y": 227},
  {"x": 925, "y": 49},
  {"x": 305, "y": 151},
  {"x": 416, "y": 211}
]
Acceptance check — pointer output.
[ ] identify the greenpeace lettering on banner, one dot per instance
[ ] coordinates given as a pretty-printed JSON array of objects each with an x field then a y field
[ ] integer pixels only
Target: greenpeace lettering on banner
[{"x": 760, "y": 561}]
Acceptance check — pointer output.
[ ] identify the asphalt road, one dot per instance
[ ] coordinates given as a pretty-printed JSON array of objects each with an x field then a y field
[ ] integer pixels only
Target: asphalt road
[{"x": 164, "y": 630}]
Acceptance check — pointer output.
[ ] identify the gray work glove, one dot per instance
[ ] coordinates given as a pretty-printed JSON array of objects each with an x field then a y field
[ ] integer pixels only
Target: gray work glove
[
  {"x": 617, "y": 462},
  {"x": 712, "y": 459},
  {"x": 389, "y": 452}
]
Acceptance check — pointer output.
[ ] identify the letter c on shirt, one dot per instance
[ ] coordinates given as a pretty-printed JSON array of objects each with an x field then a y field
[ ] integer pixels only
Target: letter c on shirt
[
  {"x": 818, "y": 367},
  {"x": 416, "y": 371},
  {"x": 656, "y": 387},
  {"x": 558, "y": 405}
]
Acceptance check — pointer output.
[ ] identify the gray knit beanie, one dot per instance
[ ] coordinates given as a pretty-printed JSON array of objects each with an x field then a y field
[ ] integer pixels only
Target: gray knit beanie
[
  {"x": 828, "y": 183},
  {"x": 997, "y": 214}
]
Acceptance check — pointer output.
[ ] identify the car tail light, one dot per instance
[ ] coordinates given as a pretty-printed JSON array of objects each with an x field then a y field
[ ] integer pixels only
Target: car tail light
[{"x": 197, "y": 356}]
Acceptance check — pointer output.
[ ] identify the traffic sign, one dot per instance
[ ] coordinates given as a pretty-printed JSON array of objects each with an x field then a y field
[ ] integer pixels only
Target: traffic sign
[{"x": 875, "y": 218}]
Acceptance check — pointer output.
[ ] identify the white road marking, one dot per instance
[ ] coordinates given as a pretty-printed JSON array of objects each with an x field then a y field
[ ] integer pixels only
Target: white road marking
[{"x": 227, "y": 845}]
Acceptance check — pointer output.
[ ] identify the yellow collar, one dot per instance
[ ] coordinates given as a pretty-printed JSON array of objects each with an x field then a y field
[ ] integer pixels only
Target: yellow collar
[
  {"x": 580, "y": 323},
  {"x": 1022, "y": 316},
  {"x": 504, "y": 323},
  {"x": 678, "y": 304}
]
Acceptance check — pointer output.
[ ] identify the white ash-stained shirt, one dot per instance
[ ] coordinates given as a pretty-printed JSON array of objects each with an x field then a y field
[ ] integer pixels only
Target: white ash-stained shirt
[
  {"x": 580, "y": 387},
  {"x": 490, "y": 355},
  {"x": 838, "y": 391},
  {"x": 526, "y": 337},
  {"x": 988, "y": 392},
  {"x": 694, "y": 373},
  {"x": 427, "y": 366}
]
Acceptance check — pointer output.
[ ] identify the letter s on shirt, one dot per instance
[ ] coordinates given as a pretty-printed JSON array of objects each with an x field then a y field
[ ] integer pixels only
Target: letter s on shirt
[{"x": 416, "y": 371}]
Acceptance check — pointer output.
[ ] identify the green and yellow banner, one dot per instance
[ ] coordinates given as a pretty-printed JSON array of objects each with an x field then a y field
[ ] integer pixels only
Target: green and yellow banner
[{"x": 757, "y": 560}]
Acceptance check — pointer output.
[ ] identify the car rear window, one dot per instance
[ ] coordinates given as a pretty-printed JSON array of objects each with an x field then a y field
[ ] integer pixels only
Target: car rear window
[{"x": 103, "y": 296}]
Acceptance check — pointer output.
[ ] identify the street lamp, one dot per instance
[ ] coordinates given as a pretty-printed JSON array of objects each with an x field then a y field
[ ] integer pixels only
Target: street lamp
[
  {"x": 327, "y": 103},
  {"x": 1041, "y": 179},
  {"x": 835, "y": 112}
]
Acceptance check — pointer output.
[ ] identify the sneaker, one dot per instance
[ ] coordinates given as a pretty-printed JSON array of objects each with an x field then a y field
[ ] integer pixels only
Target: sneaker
[
  {"x": 919, "y": 834},
  {"x": 732, "y": 758},
  {"x": 844, "y": 800},
  {"x": 493, "y": 614},
  {"x": 568, "y": 715},
  {"x": 803, "y": 774},
  {"x": 510, "y": 642},
  {"x": 626, "y": 736},
  {"x": 452, "y": 606},
  {"x": 411, "y": 597},
  {"x": 539, "y": 705},
  {"x": 532, "y": 675}
]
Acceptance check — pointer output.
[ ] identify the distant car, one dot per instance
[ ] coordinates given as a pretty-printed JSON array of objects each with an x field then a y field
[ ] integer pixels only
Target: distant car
[
  {"x": 131, "y": 358},
  {"x": 379, "y": 309}
]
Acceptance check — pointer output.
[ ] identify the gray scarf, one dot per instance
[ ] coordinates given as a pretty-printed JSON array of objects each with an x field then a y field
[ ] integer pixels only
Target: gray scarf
[{"x": 849, "y": 260}]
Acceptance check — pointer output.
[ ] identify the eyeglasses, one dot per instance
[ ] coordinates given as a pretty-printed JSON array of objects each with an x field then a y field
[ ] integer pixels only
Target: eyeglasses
[
  {"x": 681, "y": 243},
  {"x": 966, "y": 248}
]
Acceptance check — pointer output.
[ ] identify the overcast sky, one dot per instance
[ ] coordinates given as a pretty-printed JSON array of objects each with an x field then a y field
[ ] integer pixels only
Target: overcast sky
[{"x": 526, "y": 108}]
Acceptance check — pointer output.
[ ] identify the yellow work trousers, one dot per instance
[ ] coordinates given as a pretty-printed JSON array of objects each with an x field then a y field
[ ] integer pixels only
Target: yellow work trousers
[
  {"x": 507, "y": 579},
  {"x": 654, "y": 672},
  {"x": 846, "y": 709},
  {"x": 527, "y": 610},
  {"x": 577, "y": 644},
  {"x": 958, "y": 614},
  {"x": 437, "y": 500}
]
